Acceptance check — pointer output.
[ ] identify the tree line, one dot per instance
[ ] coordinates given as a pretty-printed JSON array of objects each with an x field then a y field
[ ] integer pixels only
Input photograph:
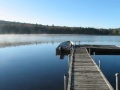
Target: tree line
[{"x": 26, "y": 28}]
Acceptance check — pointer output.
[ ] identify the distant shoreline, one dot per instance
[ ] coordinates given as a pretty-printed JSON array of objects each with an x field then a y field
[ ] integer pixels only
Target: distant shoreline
[
  {"x": 26, "y": 28},
  {"x": 62, "y": 34}
]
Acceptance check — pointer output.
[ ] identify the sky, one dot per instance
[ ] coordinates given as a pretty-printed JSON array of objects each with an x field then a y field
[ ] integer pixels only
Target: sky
[{"x": 73, "y": 13}]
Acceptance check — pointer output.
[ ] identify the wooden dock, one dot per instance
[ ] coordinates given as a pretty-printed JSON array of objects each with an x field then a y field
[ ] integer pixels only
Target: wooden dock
[{"x": 84, "y": 74}]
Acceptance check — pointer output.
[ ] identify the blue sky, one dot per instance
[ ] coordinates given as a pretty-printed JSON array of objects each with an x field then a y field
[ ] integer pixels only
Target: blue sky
[{"x": 84, "y": 13}]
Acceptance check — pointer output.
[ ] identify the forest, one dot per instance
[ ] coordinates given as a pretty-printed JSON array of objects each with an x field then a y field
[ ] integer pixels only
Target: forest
[{"x": 7, "y": 27}]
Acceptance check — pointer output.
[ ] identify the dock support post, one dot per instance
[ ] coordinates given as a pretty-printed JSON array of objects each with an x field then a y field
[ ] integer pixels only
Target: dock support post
[
  {"x": 65, "y": 82},
  {"x": 68, "y": 60},
  {"x": 94, "y": 55},
  {"x": 99, "y": 63},
  {"x": 89, "y": 51},
  {"x": 79, "y": 42},
  {"x": 117, "y": 85}
]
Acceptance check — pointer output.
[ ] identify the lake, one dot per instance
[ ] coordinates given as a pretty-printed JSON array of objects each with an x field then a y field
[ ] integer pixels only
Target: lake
[{"x": 29, "y": 62}]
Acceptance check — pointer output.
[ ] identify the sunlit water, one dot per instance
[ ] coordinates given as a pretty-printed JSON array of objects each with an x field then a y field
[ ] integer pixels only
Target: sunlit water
[{"x": 29, "y": 62}]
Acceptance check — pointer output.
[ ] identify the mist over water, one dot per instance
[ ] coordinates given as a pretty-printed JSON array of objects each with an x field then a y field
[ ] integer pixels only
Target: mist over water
[{"x": 14, "y": 39}]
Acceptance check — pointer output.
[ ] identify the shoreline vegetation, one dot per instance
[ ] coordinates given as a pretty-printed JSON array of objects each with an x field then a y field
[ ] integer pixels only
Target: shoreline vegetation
[{"x": 7, "y": 27}]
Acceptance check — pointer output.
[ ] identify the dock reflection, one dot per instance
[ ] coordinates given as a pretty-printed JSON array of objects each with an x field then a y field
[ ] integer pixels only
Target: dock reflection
[{"x": 61, "y": 54}]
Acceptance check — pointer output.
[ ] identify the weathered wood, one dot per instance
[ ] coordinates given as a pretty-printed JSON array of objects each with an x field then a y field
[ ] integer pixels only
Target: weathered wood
[
  {"x": 117, "y": 85},
  {"x": 84, "y": 74},
  {"x": 65, "y": 82},
  {"x": 102, "y": 49}
]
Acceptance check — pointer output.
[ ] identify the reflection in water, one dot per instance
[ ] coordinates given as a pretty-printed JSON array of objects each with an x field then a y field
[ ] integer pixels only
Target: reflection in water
[
  {"x": 31, "y": 67},
  {"x": 9, "y": 44},
  {"x": 62, "y": 56}
]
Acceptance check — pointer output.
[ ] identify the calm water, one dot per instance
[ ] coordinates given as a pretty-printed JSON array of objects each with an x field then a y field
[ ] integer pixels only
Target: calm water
[
  {"x": 29, "y": 62},
  {"x": 31, "y": 67},
  {"x": 110, "y": 64}
]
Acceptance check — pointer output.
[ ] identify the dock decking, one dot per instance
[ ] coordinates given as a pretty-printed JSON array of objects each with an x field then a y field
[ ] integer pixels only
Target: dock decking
[{"x": 84, "y": 74}]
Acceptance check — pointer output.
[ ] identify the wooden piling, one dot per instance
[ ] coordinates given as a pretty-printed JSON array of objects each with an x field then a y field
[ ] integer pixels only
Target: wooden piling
[
  {"x": 117, "y": 85},
  {"x": 94, "y": 56},
  {"x": 89, "y": 51},
  {"x": 65, "y": 81},
  {"x": 99, "y": 63}
]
